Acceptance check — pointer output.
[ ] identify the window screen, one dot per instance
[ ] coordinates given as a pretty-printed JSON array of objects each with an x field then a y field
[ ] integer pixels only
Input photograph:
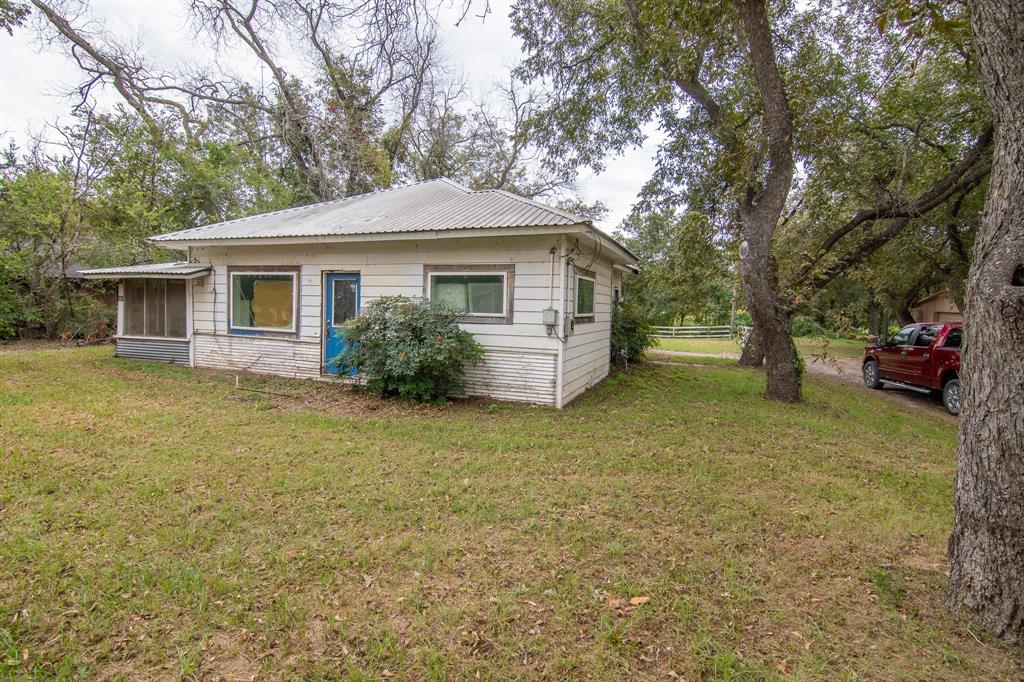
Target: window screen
[
  {"x": 135, "y": 307},
  {"x": 176, "y": 308},
  {"x": 263, "y": 301},
  {"x": 584, "y": 296},
  {"x": 155, "y": 307},
  {"x": 470, "y": 294}
]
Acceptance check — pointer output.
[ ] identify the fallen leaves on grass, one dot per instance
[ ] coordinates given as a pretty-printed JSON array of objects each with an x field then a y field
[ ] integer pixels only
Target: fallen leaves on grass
[{"x": 624, "y": 606}]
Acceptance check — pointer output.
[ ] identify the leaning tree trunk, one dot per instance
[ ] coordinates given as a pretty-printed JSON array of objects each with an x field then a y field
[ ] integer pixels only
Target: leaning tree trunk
[
  {"x": 753, "y": 350},
  {"x": 761, "y": 211},
  {"x": 986, "y": 549}
]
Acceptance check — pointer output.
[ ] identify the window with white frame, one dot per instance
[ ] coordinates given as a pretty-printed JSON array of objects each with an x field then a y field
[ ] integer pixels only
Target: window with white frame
[
  {"x": 586, "y": 286},
  {"x": 155, "y": 307},
  {"x": 263, "y": 301},
  {"x": 483, "y": 294}
]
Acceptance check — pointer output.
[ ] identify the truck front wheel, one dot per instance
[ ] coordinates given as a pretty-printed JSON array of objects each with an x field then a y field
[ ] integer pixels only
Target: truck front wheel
[
  {"x": 951, "y": 396},
  {"x": 871, "y": 379}
]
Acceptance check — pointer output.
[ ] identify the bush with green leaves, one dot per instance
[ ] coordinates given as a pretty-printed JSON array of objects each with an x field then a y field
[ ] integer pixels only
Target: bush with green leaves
[
  {"x": 632, "y": 333},
  {"x": 409, "y": 347}
]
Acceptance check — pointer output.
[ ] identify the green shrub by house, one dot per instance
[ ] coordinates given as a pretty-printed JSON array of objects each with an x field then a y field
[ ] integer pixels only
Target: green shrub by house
[
  {"x": 410, "y": 348},
  {"x": 632, "y": 334}
]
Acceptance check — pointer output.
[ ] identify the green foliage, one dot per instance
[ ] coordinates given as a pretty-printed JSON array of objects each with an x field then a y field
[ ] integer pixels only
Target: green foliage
[
  {"x": 93, "y": 204},
  {"x": 12, "y": 14},
  {"x": 15, "y": 310},
  {"x": 803, "y": 325},
  {"x": 684, "y": 267},
  {"x": 411, "y": 348},
  {"x": 885, "y": 99},
  {"x": 632, "y": 333}
]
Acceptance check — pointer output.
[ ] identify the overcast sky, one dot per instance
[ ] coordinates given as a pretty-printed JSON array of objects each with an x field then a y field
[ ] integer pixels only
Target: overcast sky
[{"x": 34, "y": 81}]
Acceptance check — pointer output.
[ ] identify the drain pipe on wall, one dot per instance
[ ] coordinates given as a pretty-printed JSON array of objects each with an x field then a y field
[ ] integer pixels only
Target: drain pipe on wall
[{"x": 551, "y": 285}]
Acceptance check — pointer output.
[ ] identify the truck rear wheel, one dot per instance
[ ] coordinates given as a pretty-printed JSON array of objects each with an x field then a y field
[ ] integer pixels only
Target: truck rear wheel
[
  {"x": 951, "y": 396},
  {"x": 871, "y": 379}
]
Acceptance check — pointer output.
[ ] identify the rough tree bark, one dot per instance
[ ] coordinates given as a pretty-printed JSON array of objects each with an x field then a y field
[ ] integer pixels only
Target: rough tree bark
[
  {"x": 986, "y": 549},
  {"x": 760, "y": 212},
  {"x": 753, "y": 350},
  {"x": 874, "y": 319}
]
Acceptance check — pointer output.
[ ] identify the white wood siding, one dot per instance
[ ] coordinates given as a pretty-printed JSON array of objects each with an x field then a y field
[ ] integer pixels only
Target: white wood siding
[
  {"x": 282, "y": 357},
  {"x": 527, "y": 376},
  {"x": 587, "y": 350},
  {"x": 520, "y": 359}
]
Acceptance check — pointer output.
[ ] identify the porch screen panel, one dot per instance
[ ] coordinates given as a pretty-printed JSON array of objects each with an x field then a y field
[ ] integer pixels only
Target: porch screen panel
[
  {"x": 135, "y": 307},
  {"x": 156, "y": 308},
  {"x": 176, "y": 308}
]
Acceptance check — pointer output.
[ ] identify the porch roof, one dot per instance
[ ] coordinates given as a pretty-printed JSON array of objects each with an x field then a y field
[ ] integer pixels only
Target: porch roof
[{"x": 175, "y": 270}]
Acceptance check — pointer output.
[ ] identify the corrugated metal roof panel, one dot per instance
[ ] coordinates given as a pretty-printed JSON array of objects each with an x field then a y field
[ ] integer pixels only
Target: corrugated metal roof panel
[
  {"x": 426, "y": 206},
  {"x": 177, "y": 269}
]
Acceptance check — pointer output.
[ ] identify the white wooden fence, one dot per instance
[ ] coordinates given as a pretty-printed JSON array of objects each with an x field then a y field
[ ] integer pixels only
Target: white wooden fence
[{"x": 693, "y": 332}]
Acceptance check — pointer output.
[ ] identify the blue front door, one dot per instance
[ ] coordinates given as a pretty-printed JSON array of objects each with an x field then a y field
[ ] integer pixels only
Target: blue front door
[{"x": 341, "y": 303}]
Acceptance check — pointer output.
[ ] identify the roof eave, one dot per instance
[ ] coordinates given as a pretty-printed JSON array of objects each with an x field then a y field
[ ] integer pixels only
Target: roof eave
[{"x": 455, "y": 233}]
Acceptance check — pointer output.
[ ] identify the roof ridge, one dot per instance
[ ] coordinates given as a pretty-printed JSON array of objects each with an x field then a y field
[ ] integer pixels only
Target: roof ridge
[
  {"x": 453, "y": 183},
  {"x": 281, "y": 211}
]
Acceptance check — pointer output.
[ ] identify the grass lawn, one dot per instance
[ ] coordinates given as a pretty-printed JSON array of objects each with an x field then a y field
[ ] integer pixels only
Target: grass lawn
[
  {"x": 843, "y": 348},
  {"x": 158, "y": 523}
]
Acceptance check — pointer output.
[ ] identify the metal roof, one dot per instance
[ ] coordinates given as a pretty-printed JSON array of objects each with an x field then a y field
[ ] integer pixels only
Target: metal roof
[
  {"x": 425, "y": 206},
  {"x": 176, "y": 270}
]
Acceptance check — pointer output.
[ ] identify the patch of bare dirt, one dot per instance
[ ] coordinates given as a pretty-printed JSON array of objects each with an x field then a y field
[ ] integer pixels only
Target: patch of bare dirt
[
  {"x": 25, "y": 345},
  {"x": 227, "y": 659}
]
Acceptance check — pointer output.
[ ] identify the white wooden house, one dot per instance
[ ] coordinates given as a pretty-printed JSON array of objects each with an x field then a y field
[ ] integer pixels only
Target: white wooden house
[{"x": 265, "y": 293}]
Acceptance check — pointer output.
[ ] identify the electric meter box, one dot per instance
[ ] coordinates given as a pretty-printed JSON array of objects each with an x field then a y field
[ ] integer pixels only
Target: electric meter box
[{"x": 549, "y": 316}]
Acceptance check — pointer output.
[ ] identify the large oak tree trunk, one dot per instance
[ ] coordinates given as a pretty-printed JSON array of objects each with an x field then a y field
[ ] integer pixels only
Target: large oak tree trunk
[
  {"x": 771, "y": 321},
  {"x": 753, "y": 350},
  {"x": 760, "y": 212},
  {"x": 986, "y": 549}
]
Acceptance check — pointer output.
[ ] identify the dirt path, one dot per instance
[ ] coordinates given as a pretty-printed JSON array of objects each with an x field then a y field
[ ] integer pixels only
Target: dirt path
[{"x": 846, "y": 370}]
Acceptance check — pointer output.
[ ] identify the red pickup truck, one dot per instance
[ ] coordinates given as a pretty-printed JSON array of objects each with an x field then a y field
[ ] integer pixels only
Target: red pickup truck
[{"x": 922, "y": 357}]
